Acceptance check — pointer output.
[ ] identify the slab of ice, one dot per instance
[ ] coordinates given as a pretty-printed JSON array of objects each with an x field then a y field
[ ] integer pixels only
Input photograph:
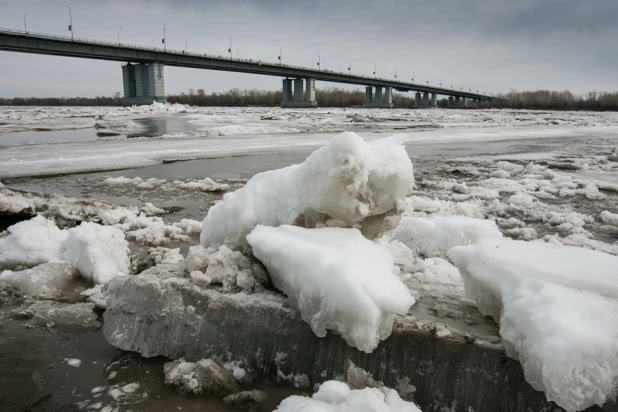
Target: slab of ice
[
  {"x": 47, "y": 279},
  {"x": 32, "y": 242},
  {"x": 99, "y": 253},
  {"x": 339, "y": 280},
  {"x": 347, "y": 179},
  {"x": 433, "y": 236},
  {"x": 203, "y": 377},
  {"x": 556, "y": 307},
  {"x": 334, "y": 396}
]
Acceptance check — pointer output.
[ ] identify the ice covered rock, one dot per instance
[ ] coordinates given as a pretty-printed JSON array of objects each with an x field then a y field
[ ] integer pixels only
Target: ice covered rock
[
  {"x": 203, "y": 377},
  {"x": 434, "y": 235},
  {"x": 556, "y": 307},
  {"x": 45, "y": 280},
  {"x": 31, "y": 243},
  {"x": 333, "y": 396},
  {"x": 347, "y": 179},
  {"x": 99, "y": 253},
  {"x": 339, "y": 280}
]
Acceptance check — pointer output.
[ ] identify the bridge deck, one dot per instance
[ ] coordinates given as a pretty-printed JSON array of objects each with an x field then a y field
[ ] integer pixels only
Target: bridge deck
[{"x": 19, "y": 41}]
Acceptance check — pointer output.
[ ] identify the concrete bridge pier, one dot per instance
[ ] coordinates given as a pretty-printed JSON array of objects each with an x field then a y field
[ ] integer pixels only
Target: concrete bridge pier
[
  {"x": 451, "y": 101},
  {"x": 298, "y": 97},
  {"x": 143, "y": 83},
  {"x": 379, "y": 100},
  {"x": 425, "y": 99},
  {"x": 457, "y": 101},
  {"x": 368, "y": 96},
  {"x": 417, "y": 99},
  {"x": 434, "y": 99},
  {"x": 464, "y": 101}
]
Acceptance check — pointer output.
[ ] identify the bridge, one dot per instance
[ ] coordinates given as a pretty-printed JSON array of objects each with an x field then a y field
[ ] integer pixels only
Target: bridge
[{"x": 143, "y": 78}]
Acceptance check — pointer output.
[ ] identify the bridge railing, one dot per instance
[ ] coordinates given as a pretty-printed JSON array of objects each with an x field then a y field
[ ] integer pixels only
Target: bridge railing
[{"x": 211, "y": 56}]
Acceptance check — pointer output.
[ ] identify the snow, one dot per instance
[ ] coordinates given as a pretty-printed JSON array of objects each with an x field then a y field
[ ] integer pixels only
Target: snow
[
  {"x": 99, "y": 253},
  {"x": 555, "y": 305},
  {"x": 333, "y": 396},
  {"x": 32, "y": 242},
  {"x": 609, "y": 218},
  {"x": 204, "y": 185},
  {"x": 338, "y": 279},
  {"x": 434, "y": 235},
  {"x": 347, "y": 179}
]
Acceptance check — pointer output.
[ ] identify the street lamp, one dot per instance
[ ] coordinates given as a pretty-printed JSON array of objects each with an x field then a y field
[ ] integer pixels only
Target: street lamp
[
  {"x": 164, "y": 40},
  {"x": 319, "y": 67},
  {"x": 230, "y": 49},
  {"x": 375, "y": 69},
  {"x": 412, "y": 77},
  {"x": 350, "y": 67},
  {"x": 186, "y": 47},
  {"x": 118, "y": 35},
  {"x": 25, "y": 27},
  {"x": 70, "y": 20},
  {"x": 280, "y": 61},
  {"x": 396, "y": 73},
  {"x": 238, "y": 52}
]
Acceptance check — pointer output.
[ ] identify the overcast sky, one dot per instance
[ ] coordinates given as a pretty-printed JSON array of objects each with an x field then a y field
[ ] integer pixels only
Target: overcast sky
[{"x": 489, "y": 45}]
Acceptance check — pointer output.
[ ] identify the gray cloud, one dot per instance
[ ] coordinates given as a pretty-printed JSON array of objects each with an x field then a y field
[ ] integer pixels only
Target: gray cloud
[{"x": 490, "y": 45}]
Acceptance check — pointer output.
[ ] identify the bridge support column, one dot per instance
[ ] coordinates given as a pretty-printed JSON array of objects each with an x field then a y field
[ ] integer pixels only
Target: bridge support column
[
  {"x": 464, "y": 101},
  {"x": 368, "y": 96},
  {"x": 376, "y": 101},
  {"x": 299, "y": 98},
  {"x": 457, "y": 101},
  {"x": 451, "y": 101},
  {"x": 417, "y": 99},
  {"x": 143, "y": 83},
  {"x": 434, "y": 99},
  {"x": 425, "y": 99}
]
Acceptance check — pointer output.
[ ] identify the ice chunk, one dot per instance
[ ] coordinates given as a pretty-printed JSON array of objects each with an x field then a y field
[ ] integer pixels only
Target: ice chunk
[
  {"x": 433, "y": 236},
  {"x": 47, "y": 279},
  {"x": 203, "y": 377},
  {"x": 32, "y": 242},
  {"x": 73, "y": 362},
  {"x": 98, "y": 252},
  {"x": 347, "y": 179},
  {"x": 246, "y": 398},
  {"x": 609, "y": 218},
  {"x": 333, "y": 396},
  {"x": 556, "y": 307},
  {"x": 339, "y": 280}
]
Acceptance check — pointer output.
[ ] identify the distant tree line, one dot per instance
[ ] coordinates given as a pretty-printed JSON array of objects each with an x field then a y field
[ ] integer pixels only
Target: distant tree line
[
  {"x": 335, "y": 97},
  {"x": 63, "y": 101},
  {"x": 552, "y": 100},
  {"x": 331, "y": 97}
]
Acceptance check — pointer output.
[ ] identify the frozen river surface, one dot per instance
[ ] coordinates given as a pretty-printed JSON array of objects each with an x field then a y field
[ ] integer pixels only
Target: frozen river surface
[{"x": 549, "y": 176}]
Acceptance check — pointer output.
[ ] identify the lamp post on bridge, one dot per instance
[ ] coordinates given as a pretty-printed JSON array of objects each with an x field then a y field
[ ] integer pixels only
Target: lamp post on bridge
[
  {"x": 25, "y": 27},
  {"x": 70, "y": 20},
  {"x": 164, "y": 40},
  {"x": 396, "y": 73},
  {"x": 118, "y": 35},
  {"x": 319, "y": 67},
  {"x": 238, "y": 52},
  {"x": 280, "y": 60},
  {"x": 350, "y": 67},
  {"x": 375, "y": 69},
  {"x": 230, "y": 48},
  {"x": 186, "y": 46}
]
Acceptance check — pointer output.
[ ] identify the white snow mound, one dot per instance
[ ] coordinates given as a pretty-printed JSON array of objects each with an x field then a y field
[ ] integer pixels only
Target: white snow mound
[
  {"x": 334, "y": 396},
  {"x": 99, "y": 253},
  {"x": 347, "y": 179},
  {"x": 433, "y": 236},
  {"x": 31, "y": 243},
  {"x": 556, "y": 307},
  {"x": 338, "y": 279}
]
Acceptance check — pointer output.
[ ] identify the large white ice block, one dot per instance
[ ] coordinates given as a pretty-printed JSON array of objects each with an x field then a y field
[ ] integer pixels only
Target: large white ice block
[
  {"x": 338, "y": 279},
  {"x": 557, "y": 308},
  {"x": 347, "y": 179}
]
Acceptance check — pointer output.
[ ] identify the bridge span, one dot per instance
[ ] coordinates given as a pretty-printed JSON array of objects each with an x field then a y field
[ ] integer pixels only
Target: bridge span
[{"x": 143, "y": 77}]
